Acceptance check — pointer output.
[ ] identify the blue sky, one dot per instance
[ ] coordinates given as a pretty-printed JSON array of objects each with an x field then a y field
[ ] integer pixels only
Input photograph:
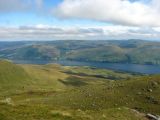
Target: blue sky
[
  {"x": 20, "y": 18},
  {"x": 116, "y": 19}
]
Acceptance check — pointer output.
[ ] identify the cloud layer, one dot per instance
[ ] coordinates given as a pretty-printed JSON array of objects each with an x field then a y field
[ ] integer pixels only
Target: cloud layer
[
  {"x": 44, "y": 32},
  {"x": 122, "y": 12},
  {"x": 130, "y": 19}
]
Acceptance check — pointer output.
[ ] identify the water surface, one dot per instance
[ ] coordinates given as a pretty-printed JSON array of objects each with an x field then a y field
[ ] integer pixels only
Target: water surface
[{"x": 145, "y": 69}]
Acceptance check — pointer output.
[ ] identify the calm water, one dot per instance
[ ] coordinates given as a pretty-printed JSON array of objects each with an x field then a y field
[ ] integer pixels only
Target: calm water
[{"x": 145, "y": 69}]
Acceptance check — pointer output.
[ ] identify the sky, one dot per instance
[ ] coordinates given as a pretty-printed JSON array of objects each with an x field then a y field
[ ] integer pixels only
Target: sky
[{"x": 79, "y": 20}]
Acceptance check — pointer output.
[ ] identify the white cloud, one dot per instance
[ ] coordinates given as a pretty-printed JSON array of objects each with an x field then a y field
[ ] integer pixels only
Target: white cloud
[
  {"x": 123, "y": 12},
  {"x": 45, "y": 32}
]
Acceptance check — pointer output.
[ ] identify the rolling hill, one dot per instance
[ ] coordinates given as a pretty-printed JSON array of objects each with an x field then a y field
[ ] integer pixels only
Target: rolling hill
[
  {"x": 52, "y": 91},
  {"x": 129, "y": 51},
  {"x": 142, "y": 53},
  {"x": 30, "y": 52},
  {"x": 99, "y": 54}
]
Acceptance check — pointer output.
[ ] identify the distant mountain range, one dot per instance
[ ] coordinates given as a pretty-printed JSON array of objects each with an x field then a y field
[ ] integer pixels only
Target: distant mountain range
[{"x": 115, "y": 51}]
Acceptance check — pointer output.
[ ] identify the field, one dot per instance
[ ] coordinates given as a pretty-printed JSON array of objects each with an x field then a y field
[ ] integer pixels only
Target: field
[{"x": 55, "y": 92}]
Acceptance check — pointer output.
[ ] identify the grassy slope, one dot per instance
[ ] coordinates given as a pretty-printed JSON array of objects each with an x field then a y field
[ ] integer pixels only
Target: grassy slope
[
  {"x": 12, "y": 77},
  {"x": 18, "y": 79},
  {"x": 50, "y": 92}
]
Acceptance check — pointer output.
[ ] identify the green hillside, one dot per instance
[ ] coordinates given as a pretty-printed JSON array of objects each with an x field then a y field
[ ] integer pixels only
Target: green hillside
[
  {"x": 101, "y": 54},
  {"x": 142, "y": 53},
  {"x": 147, "y": 54},
  {"x": 12, "y": 77},
  {"x": 21, "y": 78},
  {"x": 30, "y": 52},
  {"x": 129, "y": 51},
  {"x": 47, "y": 92},
  {"x": 9, "y": 70}
]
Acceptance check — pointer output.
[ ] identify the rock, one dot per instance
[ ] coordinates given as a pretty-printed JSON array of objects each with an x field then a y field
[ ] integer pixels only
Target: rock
[
  {"x": 7, "y": 101},
  {"x": 89, "y": 95},
  {"x": 93, "y": 105},
  {"x": 139, "y": 93},
  {"x": 149, "y": 90},
  {"x": 79, "y": 110},
  {"x": 104, "y": 116},
  {"x": 143, "y": 89},
  {"x": 153, "y": 117},
  {"x": 154, "y": 83},
  {"x": 115, "y": 104},
  {"x": 126, "y": 103}
]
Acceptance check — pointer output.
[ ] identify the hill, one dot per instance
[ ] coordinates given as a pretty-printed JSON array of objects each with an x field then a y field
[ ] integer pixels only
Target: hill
[
  {"x": 30, "y": 52},
  {"x": 12, "y": 77},
  {"x": 99, "y": 54},
  {"x": 33, "y": 92},
  {"x": 120, "y": 51},
  {"x": 131, "y": 52}
]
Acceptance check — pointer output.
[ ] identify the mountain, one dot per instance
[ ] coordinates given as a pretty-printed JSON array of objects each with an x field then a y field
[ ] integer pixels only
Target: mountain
[
  {"x": 131, "y": 52},
  {"x": 52, "y": 91},
  {"x": 30, "y": 52},
  {"x": 108, "y": 53},
  {"x": 122, "y": 51}
]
